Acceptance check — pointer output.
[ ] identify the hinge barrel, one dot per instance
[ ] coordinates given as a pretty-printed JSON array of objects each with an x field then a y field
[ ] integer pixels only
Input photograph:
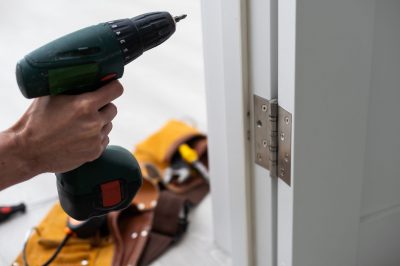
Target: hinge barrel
[{"x": 273, "y": 137}]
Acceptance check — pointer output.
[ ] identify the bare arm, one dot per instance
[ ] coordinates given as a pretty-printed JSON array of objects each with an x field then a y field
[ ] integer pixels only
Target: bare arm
[
  {"x": 13, "y": 163},
  {"x": 57, "y": 134}
]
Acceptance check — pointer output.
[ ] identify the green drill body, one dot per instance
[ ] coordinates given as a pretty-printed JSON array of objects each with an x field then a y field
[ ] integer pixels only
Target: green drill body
[{"x": 74, "y": 63}]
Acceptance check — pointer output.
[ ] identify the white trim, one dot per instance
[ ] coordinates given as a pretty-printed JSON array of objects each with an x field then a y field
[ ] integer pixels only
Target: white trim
[
  {"x": 237, "y": 105},
  {"x": 262, "y": 38},
  {"x": 228, "y": 101},
  {"x": 286, "y": 91},
  {"x": 215, "y": 99}
]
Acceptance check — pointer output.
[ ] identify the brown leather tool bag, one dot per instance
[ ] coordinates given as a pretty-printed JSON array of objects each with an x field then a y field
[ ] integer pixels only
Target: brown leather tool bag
[{"x": 159, "y": 214}]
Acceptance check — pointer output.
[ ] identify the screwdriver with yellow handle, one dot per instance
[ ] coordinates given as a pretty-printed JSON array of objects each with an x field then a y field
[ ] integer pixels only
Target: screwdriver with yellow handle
[{"x": 190, "y": 156}]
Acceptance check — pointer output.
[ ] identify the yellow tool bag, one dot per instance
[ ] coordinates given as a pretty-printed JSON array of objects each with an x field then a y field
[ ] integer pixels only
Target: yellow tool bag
[{"x": 157, "y": 218}]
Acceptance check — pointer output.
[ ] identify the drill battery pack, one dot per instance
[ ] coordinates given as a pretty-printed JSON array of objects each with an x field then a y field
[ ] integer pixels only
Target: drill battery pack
[{"x": 98, "y": 187}]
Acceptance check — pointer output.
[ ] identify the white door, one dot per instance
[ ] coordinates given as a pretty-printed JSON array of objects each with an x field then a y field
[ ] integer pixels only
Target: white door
[
  {"x": 339, "y": 75},
  {"x": 335, "y": 66}
]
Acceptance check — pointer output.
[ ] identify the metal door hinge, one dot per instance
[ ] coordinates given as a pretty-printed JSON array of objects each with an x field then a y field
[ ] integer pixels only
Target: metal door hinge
[{"x": 273, "y": 131}]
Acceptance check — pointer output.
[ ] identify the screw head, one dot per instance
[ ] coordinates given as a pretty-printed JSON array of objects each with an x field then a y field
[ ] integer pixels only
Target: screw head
[
  {"x": 259, "y": 157},
  {"x": 259, "y": 123},
  {"x": 264, "y": 143},
  {"x": 286, "y": 158},
  {"x": 282, "y": 136},
  {"x": 287, "y": 120},
  {"x": 264, "y": 107},
  {"x": 144, "y": 233},
  {"x": 282, "y": 172}
]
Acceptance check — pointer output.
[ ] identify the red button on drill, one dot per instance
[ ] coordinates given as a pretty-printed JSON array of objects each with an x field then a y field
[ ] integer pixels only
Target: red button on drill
[
  {"x": 111, "y": 193},
  {"x": 108, "y": 77}
]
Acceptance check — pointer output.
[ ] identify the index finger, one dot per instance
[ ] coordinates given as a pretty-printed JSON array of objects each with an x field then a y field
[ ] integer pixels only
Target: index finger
[{"x": 106, "y": 94}]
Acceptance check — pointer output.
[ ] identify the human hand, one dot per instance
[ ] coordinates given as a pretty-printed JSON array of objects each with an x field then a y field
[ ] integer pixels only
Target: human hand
[{"x": 60, "y": 133}]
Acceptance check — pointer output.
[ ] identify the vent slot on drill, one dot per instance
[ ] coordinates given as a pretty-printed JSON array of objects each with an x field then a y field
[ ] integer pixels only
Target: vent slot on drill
[{"x": 82, "y": 51}]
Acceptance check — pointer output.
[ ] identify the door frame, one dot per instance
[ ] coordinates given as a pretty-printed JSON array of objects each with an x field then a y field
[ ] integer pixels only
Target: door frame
[
  {"x": 240, "y": 60},
  {"x": 225, "y": 53}
]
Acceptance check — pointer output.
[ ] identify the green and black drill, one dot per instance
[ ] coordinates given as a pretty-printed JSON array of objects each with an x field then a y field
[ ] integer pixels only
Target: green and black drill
[{"x": 84, "y": 61}]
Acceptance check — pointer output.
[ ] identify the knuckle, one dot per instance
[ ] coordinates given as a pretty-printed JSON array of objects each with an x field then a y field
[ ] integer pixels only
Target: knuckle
[
  {"x": 84, "y": 105},
  {"x": 107, "y": 129},
  {"x": 96, "y": 152},
  {"x": 99, "y": 140},
  {"x": 113, "y": 108},
  {"x": 94, "y": 127},
  {"x": 99, "y": 124},
  {"x": 117, "y": 86}
]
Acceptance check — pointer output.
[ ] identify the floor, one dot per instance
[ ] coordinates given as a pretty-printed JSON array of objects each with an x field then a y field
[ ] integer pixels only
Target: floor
[{"x": 165, "y": 83}]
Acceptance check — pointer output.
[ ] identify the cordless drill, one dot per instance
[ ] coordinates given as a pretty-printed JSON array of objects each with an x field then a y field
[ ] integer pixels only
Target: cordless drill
[{"x": 84, "y": 61}]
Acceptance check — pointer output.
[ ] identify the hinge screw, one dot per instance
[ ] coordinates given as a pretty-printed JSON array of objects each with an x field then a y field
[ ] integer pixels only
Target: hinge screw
[
  {"x": 282, "y": 173},
  {"x": 287, "y": 120},
  {"x": 282, "y": 136},
  {"x": 264, "y": 107},
  {"x": 259, "y": 157},
  {"x": 286, "y": 158},
  {"x": 265, "y": 143}
]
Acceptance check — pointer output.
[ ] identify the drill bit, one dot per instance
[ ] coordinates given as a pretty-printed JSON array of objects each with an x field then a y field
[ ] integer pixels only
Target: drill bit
[{"x": 179, "y": 18}]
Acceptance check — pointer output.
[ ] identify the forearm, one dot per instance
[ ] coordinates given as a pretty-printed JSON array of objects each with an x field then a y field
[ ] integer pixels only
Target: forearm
[{"x": 15, "y": 167}]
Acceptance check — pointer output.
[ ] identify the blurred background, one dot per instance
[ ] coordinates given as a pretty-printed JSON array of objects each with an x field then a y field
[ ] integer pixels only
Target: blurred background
[{"x": 165, "y": 83}]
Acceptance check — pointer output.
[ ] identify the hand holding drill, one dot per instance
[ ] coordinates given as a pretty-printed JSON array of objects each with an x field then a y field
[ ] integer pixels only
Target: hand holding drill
[
  {"x": 59, "y": 133},
  {"x": 42, "y": 142}
]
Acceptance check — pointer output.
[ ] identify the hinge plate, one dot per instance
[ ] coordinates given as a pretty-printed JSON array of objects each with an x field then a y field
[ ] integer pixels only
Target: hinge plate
[{"x": 273, "y": 133}]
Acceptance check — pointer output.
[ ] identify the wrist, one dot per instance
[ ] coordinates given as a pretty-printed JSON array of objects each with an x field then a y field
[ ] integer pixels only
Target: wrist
[
  {"x": 25, "y": 151},
  {"x": 16, "y": 157}
]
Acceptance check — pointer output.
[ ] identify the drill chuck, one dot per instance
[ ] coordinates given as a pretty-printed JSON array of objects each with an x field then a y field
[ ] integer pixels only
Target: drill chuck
[
  {"x": 87, "y": 59},
  {"x": 142, "y": 33}
]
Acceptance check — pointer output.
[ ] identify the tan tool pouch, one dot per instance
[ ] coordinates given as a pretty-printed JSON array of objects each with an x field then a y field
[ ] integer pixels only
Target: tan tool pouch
[{"x": 141, "y": 233}]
